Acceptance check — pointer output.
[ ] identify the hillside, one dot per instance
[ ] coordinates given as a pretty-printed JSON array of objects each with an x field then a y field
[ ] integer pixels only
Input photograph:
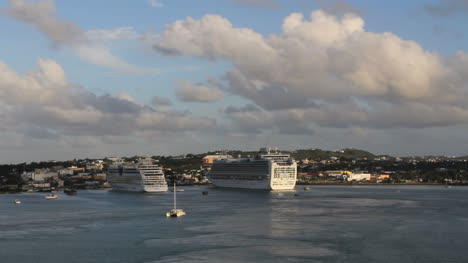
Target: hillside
[
  {"x": 311, "y": 154},
  {"x": 322, "y": 154}
]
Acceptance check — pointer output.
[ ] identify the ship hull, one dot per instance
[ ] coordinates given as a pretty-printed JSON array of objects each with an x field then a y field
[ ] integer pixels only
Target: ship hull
[
  {"x": 251, "y": 184},
  {"x": 247, "y": 184},
  {"x": 138, "y": 188}
]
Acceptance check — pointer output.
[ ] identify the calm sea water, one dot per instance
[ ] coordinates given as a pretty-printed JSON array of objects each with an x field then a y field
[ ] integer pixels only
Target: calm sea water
[{"x": 323, "y": 224}]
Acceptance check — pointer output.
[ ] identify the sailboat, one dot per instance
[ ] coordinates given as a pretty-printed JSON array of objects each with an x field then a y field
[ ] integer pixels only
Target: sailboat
[{"x": 175, "y": 212}]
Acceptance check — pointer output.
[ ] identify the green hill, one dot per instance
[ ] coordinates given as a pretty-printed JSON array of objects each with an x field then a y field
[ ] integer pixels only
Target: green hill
[{"x": 322, "y": 154}]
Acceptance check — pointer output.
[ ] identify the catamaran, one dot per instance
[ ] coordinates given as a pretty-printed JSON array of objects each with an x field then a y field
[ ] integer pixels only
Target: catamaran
[{"x": 175, "y": 212}]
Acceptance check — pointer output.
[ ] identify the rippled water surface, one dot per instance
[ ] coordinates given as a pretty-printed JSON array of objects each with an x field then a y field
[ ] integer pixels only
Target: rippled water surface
[{"x": 323, "y": 224}]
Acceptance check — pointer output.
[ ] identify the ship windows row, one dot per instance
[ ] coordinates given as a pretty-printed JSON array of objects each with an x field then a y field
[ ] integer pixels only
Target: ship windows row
[{"x": 240, "y": 177}]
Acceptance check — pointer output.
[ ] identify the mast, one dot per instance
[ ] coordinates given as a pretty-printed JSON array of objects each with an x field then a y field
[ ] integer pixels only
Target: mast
[{"x": 174, "y": 197}]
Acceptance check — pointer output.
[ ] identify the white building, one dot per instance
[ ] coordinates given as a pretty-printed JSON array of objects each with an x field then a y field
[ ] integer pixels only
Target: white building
[
  {"x": 40, "y": 175},
  {"x": 114, "y": 159},
  {"x": 357, "y": 177},
  {"x": 94, "y": 166},
  {"x": 26, "y": 176},
  {"x": 66, "y": 171}
]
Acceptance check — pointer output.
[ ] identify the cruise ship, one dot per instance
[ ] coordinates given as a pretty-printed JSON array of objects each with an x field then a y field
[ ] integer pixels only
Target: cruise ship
[
  {"x": 269, "y": 170},
  {"x": 144, "y": 176}
]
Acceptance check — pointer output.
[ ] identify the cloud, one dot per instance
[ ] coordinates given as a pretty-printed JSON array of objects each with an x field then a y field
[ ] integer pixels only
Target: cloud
[
  {"x": 245, "y": 108},
  {"x": 251, "y": 119},
  {"x": 155, "y": 3},
  {"x": 258, "y": 3},
  {"x": 160, "y": 101},
  {"x": 43, "y": 104},
  {"x": 447, "y": 7},
  {"x": 40, "y": 133},
  {"x": 327, "y": 71},
  {"x": 42, "y": 16},
  {"x": 112, "y": 34},
  {"x": 188, "y": 92},
  {"x": 101, "y": 56}
]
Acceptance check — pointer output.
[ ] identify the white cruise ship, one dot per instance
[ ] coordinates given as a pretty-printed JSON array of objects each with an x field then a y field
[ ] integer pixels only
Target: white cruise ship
[
  {"x": 268, "y": 170},
  {"x": 144, "y": 176}
]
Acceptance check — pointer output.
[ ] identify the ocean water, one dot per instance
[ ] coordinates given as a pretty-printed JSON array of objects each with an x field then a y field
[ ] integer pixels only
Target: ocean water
[{"x": 323, "y": 224}]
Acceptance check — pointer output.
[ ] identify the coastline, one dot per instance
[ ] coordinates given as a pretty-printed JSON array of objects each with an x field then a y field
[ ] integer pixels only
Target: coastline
[{"x": 368, "y": 183}]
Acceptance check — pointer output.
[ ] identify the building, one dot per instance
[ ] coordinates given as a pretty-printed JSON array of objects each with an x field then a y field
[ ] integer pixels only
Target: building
[
  {"x": 94, "y": 166},
  {"x": 66, "y": 171},
  {"x": 77, "y": 169},
  {"x": 100, "y": 177},
  {"x": 357, "y": 177},
  {"x": 114, "y": 159},
  {"x": 40, "y": 175},
  {"x": 27, "y": 176},
  {"x": 85, "y": 176},
  {"x": 337, "y": 173},
  {"x": 209, "y": 159}
]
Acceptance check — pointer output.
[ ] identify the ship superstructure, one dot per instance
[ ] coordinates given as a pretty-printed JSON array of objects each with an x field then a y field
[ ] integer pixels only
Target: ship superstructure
[
  {"x": 144, "y": 176},
  {"x": 269, "y": 170}
]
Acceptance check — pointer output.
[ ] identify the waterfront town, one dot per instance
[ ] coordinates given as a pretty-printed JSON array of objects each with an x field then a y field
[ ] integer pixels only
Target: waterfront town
[{"x": 315, "y": 166}]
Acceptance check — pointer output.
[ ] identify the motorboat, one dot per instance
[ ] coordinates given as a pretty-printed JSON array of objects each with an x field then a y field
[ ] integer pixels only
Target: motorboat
[
  {"x": 51, "y": 197},
  {"x": 17, "y": 201}
]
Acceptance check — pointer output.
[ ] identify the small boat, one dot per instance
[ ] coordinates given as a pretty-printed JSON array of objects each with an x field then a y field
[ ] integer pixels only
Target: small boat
[
  {"x": 177, "y": 190},
  {"x": 69, "y": 191},
  {"x": 205, "y": 193},
  {"x": 306, "y": 188},
  {"x": 17, "y": 201},
  {"x": 175, "y": 212},
  {"x": 51, "y": 196}
]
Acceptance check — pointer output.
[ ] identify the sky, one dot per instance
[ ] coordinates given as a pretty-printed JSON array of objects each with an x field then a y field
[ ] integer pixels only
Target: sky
[{"x": 94, "y": 79}]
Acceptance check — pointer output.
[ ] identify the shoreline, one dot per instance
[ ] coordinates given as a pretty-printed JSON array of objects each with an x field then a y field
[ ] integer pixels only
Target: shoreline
[{"x": 331, "y": 183}]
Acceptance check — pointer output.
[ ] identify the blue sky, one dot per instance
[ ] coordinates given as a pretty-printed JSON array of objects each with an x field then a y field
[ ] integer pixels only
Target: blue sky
[{"x": 220, "y": 87}]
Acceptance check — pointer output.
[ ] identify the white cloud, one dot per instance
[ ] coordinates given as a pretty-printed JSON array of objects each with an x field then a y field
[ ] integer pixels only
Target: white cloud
[
  {"x": 156, "y": 3},
  {"x": 189, "y": 92},
  {"x": 101, "y": 56},
  {"x": 43, "y": 104},
  {"x": 42, "y": 16},
  {"x": 112, "y": 34},
  {"x": 328, "y": 71}
]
